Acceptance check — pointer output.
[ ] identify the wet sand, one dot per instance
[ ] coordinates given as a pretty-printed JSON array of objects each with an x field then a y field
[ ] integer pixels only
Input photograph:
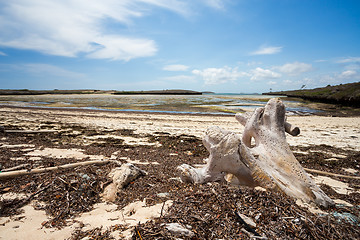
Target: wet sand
[{"x": 342, "y": 132}]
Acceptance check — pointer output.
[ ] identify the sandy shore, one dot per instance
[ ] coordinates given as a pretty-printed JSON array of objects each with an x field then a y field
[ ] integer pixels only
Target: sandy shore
[
  {"x": 341, "y": 132},
  {"x": 145, "y": 140}
]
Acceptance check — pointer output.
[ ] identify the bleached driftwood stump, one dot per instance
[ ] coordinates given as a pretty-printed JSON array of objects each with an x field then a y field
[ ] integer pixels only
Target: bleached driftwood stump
[{"x": 268, "y": 162}]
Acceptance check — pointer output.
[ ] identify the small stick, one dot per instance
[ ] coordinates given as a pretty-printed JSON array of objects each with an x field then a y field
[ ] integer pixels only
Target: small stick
[
  {"x": 23, "y": 202},
  {"x": 30, "y": 131},
  {"x": 41, "y": 170},
  {"x": 331, "y": 174},
  {"x": 247, "y": 226},
  {"x": 16, "y": 167},
  {"x": 162, "y": 208},
  {"x": 138, "y": 232}
]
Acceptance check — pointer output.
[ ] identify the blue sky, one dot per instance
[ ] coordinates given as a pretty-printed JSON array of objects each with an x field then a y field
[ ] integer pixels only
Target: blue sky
[{"x": 205, "y": 45}]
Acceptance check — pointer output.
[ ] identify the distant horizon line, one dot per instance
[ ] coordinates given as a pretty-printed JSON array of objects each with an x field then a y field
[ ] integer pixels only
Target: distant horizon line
[{"x": 113, "y": 90}]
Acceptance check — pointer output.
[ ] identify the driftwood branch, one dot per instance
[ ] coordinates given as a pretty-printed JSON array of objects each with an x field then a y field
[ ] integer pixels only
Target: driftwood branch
[
  {"x": 290, "y": 129},
  {"x": 41, "y": 170},
  {"x": 30, "y": 131},
  {"x": 330, "y": 174},
  {"x": 16, "y": 167},
  {"x": 267, "y": 161}
]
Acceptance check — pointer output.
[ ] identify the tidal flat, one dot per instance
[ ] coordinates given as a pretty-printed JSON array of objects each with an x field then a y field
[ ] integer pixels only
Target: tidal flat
[
  {"x": 190, "y": 104},
  {"x": 67, "y": 204}
]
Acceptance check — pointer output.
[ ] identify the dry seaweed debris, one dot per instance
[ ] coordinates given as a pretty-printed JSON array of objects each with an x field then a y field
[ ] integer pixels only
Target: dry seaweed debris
[
  {"x": 210, "y": 210},
  {"x": 63, "y": 194}
]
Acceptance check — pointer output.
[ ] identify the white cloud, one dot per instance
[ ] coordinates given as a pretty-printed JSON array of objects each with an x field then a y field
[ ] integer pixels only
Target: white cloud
[
  {"x": 260, "y": 74},
  {"x": 320, "y": 60},
  {"x": 349, "y": 60},
  {"x": 253, "y": 63},
  {"x": 226, "y": 74},
  {"x": 267, "y": 50},
  {"x": 214, "y": 76},
  {"x": 295, "y": 68},
  {"x": 3, "y": 54},
  {"x": 73, "y": 27},
  {"x": 272, "y": 83},
  {"x": 348, "y": 74},
  {"x": 120, "y": 48},
  {"x": 176, "y": 67}
]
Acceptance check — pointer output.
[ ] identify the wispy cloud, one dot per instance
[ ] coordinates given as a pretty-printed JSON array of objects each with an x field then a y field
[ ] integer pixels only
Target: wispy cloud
[
  {"x": 261, "y": 74},
  {"x": 266, "y": 50},
  {"x": 213, "y": 76},
  {"x": 180, "y": 79},
  {"x": 287, "y": 81},
  {"x": 217, "y": 4},
  {"x": 349, "y": 74},
  {"x": 349, "y": 60},
  {"x": 51, "y": 70},
  {"x": 42, "y": 69},
  {"x": 295, "y": 68},
  {"x": 69, "y": 28},
  {"x": 346, "y": 76},
  {"x": 271, "y": 83},
  {"x": 320, "y": 60},
  {"x": 3, "y": 54},
  {"x": 122, "y": 48},
  {"x": 176, "y": 67}
]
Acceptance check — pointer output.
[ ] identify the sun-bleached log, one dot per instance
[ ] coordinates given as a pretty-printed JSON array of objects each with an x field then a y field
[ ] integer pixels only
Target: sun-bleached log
[
  {"x": 223, "y": 147},
  {"x": 268, "y": 162},
  {"x": 290, "y": 129}
]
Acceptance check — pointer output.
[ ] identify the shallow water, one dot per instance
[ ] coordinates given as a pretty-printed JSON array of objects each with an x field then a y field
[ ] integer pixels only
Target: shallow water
[{"x": 207, "y": 103}]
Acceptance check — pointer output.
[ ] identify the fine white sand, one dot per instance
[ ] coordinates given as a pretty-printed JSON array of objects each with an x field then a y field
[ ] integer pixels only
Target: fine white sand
[{"x": 338, "y": 132}]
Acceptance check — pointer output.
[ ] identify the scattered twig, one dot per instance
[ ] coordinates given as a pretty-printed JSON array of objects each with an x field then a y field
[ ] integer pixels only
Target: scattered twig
[
  {"x": 138, "y": 232},
  {"x": 247, "y": 226},
  {"x": 37, "y": 192},
  {"x": 16, "y": 167},
  {"x": 64, "y": 211},
  {"x": 22, "y": 202},
  {"x": 331, "y": 174},
  {"x": 162, "y": 208},
  {"x": 30, "y": 131},
  {"x": 41, "y": 170}
]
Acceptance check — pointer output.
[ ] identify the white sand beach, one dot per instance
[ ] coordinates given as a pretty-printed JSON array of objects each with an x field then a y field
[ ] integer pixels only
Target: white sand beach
[
  {"x": 342, "y": 132},
  {"x": 337, "y": 132}
]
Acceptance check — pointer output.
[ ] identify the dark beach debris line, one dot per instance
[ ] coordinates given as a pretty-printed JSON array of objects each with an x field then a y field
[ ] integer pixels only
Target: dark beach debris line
[
  {"x": 10, "y": 172},
  {"x": 210, "y": 210}
]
